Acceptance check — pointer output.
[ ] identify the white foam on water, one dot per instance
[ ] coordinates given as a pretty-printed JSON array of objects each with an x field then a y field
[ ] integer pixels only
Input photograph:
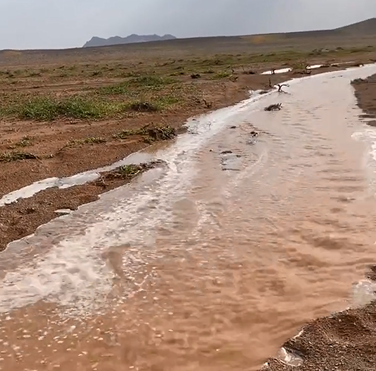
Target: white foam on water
[
  {"x": 281, "y": 70},
  {"x": 314, "y": 66},
  {"x": 203, "y": 122},
  {"x": 368, "y": 137},
  {"x": 72, "y": 272},
  {"x": 289, "y": 358},
  {"x": 363, "y": 293},
  {"x": 62, "y": 183}
]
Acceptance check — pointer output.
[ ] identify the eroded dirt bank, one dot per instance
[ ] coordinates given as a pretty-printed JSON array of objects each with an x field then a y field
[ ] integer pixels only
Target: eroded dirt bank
[{"x": 365, "y": 92}]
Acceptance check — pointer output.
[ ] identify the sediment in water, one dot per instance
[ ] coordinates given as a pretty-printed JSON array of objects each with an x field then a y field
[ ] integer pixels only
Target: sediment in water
[
  {"x": 345, "y": 340},
  {"x": 342, "y": 341}
]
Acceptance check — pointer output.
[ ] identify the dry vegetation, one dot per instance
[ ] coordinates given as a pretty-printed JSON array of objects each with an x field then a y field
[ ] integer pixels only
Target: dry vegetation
[
  {"x": 55, "y": 103},
  {"x": 67, "y": 111}
]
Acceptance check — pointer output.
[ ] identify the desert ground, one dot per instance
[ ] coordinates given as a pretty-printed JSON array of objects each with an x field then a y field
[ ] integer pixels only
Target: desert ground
[{"x": 67, "y": 111}]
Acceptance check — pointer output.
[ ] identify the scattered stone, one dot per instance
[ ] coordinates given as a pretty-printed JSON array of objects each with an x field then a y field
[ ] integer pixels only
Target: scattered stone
[
  {"x": 359, "y": 81},
  {"x": 226, "y": 152},
  {"x": 143, "y": 107},
  {"x": 63, "y": 211},
  {"x": 28, "y": 210},
  {"x": 274, "y": 107},
  {"x": 233, "y": 127},
  {"x": 195, "y": 76}
]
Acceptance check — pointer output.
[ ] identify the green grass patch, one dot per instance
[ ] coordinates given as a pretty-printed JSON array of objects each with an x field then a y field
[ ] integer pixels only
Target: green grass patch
[
  {"x": 220, "y": 75},
  {"x": 151, "y": 81},
  {"x": 133, "y": 84},
  {"x": 16, "y": 156},
  {"x": 48, "y": 109},
  {"x": 129, "y": 171},
  {"x": 90, "y": 140},
  {"x": 117, "y": 89},
  {"x": 151, "y": 133}
]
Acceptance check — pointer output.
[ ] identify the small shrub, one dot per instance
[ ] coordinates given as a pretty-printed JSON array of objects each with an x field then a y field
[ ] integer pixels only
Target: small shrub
[
  {"x": 118, "y": 89},
  {"x": 195, "y": 76},
  {"x": 221, "y": 75},
  {"x": 90, "y": 140},
  {"x": 24, "y": 142},
  {"x": 143, "y": 107},
  {"x": 151, "y": 133},
  {"x": 48, "y": 109},
  {"x": 151, "y": 81},
  {"x": 16, "y": 156}
]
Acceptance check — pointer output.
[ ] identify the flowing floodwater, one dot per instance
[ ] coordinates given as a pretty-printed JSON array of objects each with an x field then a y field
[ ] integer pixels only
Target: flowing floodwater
[{"x": 213, "y": 261}]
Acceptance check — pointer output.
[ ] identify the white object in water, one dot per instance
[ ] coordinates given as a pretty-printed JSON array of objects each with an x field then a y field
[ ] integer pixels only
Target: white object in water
[
  {"x": 363, "y": 293},
  {"x": 282, "y": 70},
  {"x": 314, "y": 66},
  {"x": 63, "y": 211}
]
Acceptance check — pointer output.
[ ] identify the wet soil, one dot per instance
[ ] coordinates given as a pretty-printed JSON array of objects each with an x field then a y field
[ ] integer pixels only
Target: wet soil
[
  {"x": 365, "y": 92},
  {"x": 49, "y": 140},
  {"x": 216, "y": 277},
  {"x": 342, "y": 341},
  {"x": 20, "y": 219},
  {"x": 345, "y": 341},
  {"x": 62, "y": 149}
]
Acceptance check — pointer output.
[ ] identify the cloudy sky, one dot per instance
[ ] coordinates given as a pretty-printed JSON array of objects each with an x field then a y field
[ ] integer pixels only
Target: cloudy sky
[{"x": 70, "y": 23}]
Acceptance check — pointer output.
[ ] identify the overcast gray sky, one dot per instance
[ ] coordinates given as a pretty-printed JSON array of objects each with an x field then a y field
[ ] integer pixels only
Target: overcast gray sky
[{"x": 30, "y": 24}]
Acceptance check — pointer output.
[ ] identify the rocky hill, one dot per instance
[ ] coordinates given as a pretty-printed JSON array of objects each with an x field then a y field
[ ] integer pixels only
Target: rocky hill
[{"x": 131, "y": 39}]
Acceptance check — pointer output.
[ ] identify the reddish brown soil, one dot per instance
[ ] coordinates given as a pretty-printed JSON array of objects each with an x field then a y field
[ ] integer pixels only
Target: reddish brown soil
[
  {"x": 21, "y": 218},
  {"x": 48, "y": 141}
]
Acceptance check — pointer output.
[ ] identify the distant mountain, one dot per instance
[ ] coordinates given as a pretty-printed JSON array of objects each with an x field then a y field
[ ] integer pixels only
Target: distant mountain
[
  {"x": 131, "y": 39},
  {"x": 360, "y": 29},
  {"x": 367, "y": 27}
]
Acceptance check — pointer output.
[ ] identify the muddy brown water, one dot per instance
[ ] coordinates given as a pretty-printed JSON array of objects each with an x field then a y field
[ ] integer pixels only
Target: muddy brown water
[{"x": 213, "y": 262}]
